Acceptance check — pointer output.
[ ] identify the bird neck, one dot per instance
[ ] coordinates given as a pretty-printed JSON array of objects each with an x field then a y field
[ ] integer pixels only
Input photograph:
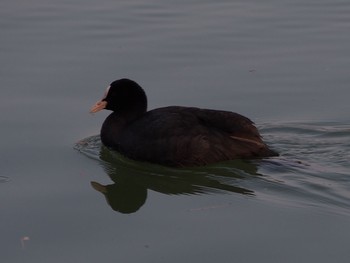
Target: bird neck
[{"x": 131, "y": 113}]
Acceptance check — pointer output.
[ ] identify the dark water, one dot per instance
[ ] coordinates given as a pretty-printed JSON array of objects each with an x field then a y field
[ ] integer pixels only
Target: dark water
[{"x": 284, "y": 64}]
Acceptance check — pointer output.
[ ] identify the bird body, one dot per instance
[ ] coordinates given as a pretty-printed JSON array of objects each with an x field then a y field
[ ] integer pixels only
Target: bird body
[{"x": 176, "y": 136}]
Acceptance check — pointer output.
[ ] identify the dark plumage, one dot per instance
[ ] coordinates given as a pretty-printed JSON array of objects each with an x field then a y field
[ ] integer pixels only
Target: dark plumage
[{"x": 175, "y": 136}]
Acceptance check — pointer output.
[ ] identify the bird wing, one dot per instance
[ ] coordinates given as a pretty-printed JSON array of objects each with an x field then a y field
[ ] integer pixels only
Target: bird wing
[{"x": 237, "y": 126}]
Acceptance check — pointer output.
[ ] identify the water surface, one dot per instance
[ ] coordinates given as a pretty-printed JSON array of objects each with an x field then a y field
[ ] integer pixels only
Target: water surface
[{"x": 284, "y": 64}]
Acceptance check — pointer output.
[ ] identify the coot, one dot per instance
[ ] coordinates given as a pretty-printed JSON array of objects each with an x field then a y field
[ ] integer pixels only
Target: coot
[{"x": 174, "y": 136}]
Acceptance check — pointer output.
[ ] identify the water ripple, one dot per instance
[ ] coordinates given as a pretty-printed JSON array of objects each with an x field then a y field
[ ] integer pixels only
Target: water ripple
[
  {"x": 312, "y": 170},
  {"x": 315, "y": 160},
  {"x": 4, "y": 179}
]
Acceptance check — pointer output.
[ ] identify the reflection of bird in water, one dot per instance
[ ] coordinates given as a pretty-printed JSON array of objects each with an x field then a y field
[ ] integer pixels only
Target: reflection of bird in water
[
  {"x": 129, "y": 191},
  {"x": 175, "y": 136},
  {"x": 123, "y": 198}
]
